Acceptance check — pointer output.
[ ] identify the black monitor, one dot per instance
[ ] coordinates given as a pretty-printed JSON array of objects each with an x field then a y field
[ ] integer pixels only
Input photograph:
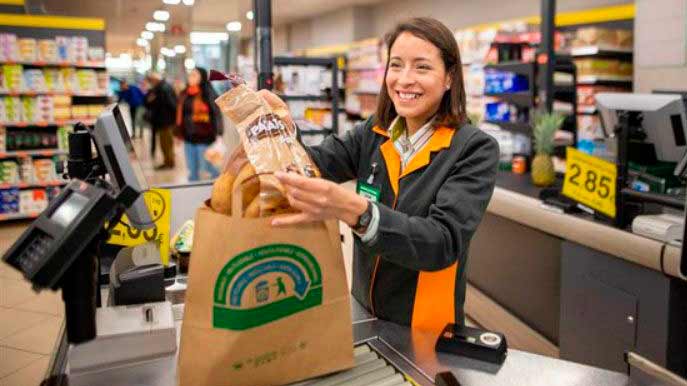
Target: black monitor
[{"x": 114, "y": 145}]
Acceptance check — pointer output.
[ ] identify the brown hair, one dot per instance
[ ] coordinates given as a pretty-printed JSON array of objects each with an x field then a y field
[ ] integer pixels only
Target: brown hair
[{"x": 452, "y": 107}]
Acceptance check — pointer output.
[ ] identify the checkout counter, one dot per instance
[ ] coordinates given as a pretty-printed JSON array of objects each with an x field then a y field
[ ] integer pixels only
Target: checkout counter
[{"x": 409, "y": 352}]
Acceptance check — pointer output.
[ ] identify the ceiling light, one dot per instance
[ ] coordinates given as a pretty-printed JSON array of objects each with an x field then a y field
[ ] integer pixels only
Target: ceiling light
[
  {"x": 168, "y": 52},
  {"x": 250, "y": 15},
  {"x": 188, "y": 2},
  {"x": 161, "y": 15},
  {"x": 155, "y": 27},
  {"x": 141, "y": 42},
  {"x": 234, "y": 26},
  {"x": 209, "y": 37},
  {"x": 171, "y": 2},
  {"x": 147, "y": 35},
  {"x": 190, "y": 64},
  {"x": 180, "y": 49}
]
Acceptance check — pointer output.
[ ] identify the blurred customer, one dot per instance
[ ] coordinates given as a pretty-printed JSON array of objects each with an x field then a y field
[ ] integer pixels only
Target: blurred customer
[
  {"x": 133, "y": 96},
  {"x": 161, "y": 103},
  {"x": 198, "y": 122}
]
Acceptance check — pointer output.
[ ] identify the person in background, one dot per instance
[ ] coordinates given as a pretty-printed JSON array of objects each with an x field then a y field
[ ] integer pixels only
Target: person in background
[
  {"x": 161, "y": 103},
  {"x": 198, "y": 122},
  {"x": 133, "y": 96}
]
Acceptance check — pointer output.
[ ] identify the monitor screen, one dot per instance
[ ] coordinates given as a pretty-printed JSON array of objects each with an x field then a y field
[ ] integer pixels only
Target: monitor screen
[
  {"x": 133, "y": 158},
  {"x": 65, "y": 214}
]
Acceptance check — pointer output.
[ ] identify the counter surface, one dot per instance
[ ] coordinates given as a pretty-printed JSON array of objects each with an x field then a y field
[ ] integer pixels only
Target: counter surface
[{"x": 416, "y": 352}]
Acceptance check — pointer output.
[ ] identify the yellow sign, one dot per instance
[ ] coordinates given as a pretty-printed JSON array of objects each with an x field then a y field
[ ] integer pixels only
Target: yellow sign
[
  {"x": 159, "y": 204},
  {"x": 590, "y": 181}
]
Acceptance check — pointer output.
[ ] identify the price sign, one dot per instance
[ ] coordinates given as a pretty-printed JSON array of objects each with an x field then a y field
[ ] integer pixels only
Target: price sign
[
  {"x": 159, "y": 206},
  {"x": 591, "y": 181}
]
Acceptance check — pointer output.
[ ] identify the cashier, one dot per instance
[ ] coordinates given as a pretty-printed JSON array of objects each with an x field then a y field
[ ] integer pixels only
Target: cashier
[{"x": 424, "y": 178}]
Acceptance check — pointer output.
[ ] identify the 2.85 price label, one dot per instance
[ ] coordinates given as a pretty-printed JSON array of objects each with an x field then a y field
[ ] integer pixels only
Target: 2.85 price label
[{"x": 591, "y": 181}]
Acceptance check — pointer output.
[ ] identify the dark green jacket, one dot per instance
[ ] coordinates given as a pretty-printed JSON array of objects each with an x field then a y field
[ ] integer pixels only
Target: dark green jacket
[{"x": 414, "y": 271}]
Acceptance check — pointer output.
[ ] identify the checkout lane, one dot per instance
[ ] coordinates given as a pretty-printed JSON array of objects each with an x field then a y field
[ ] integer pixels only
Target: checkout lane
[{"x": 410, "y": 351}]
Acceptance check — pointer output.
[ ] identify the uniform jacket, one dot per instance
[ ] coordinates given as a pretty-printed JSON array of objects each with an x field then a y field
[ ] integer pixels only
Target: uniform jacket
[{"x": 414, "y": 272}]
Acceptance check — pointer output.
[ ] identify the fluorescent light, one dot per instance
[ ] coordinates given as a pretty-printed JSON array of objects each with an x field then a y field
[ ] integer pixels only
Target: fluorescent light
[
  {"x": 161, "y": 15},
  {"x": 250, "y": 15},
  {"x": 141, "y": 42},
  {"x": 171, "y": 2},
  {"x": 190, "y": 64},
  {"x": 209, "y": 37},
  {"x": 147, "y": 35},
  {"x": 188, "y": 2},
  {"x": 161, "y": 64},
  {"x": 180, "y": 49},
  {"x": 234, "y": 26},
  {"x": 155, "y": 26}
]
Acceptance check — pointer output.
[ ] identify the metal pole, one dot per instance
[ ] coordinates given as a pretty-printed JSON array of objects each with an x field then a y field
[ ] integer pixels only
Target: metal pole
[
  {"x": 548, "y": 29},
  {"x": 263, "y": 43}
]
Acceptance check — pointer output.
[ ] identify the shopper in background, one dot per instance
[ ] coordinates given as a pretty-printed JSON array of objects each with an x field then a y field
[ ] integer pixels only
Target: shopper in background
[
  {"x": 198, "y": 122},
  {"x": 161, "y": 103},
  {"x": 425, "y": 177},
  {"x": 133, "y": 96}
]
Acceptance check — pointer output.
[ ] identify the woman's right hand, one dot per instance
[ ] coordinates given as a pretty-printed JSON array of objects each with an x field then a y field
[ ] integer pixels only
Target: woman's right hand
[{"x": 278, "y": 105}]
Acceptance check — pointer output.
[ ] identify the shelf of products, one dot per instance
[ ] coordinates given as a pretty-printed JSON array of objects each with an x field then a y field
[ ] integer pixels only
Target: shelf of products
[
  {"x": 599, "y": 50},
  {"x": 311, "y": 86},
  {"x": 47, "y": 85},
  {"x": 364, "y": 77}
]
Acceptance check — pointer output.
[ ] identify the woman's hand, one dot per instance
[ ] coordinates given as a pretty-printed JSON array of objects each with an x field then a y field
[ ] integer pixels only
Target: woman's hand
[{"x": 318, "y": 200}]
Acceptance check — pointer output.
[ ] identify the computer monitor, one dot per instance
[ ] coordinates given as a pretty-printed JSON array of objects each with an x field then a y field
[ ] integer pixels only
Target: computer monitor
[
  {"x": 664, "y": 119},
  {"x": 114, "y": 145}
]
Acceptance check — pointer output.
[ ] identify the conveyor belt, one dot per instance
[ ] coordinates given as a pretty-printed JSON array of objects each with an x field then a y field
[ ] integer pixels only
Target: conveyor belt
[{"x": 370, "y": 370}]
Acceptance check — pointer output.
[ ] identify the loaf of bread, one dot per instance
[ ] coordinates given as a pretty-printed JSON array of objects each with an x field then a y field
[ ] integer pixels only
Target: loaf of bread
[{"x": 268, "y": 145}]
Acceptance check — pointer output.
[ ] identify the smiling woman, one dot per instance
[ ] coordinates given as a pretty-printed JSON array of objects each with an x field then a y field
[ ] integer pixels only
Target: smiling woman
[{"x": 425, "y": 177}]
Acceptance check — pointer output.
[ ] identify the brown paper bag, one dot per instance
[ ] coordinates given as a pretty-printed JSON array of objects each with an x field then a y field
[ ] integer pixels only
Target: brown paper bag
[{"x": 265, "y": 305}]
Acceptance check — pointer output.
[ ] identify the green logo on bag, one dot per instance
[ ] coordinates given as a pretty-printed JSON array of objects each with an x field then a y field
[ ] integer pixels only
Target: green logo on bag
[{"x": 265, "y": 284}]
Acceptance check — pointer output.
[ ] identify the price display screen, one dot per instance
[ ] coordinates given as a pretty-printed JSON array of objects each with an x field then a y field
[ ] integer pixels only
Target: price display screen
[{"x": 590, "y": 181}]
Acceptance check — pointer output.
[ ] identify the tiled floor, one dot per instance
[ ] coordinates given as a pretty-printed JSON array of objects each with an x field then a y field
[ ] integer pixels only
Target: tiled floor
[{"x": 30, "y": 322}]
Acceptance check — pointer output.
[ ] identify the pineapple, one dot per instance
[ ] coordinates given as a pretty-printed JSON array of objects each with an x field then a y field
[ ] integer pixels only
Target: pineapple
[{"x": 545, "y": 127}]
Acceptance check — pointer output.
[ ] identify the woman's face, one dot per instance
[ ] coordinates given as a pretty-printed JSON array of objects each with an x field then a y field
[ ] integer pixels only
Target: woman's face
[
  {"x": 194, "y": 78},
  {"x": 416, "y": 79}
]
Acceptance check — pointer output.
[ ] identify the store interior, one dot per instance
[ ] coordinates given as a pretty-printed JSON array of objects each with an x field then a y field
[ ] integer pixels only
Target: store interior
[{"x": 588, "y": 274}]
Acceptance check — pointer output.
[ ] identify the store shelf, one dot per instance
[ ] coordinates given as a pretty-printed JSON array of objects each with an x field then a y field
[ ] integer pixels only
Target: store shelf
[
  {"x": 521, "y": 98},
  {"x": 23, "y": 185},
  {"x": 50, "y": 93},
  {"x": 587, "y": 110},
  {"x": 31, "y": 153},
  {"x": 565, "y": 93},
  {"x": 599, "y": 50},
  {"x": 87, "y": 121},
  {"x": 593, "y": 79},
  {"x": 517, "y": 127},
  {"x": 18, "y": 216},
  {"x": 302, "y": 61},
  {"x": 87, "y": 64},
  {"x": 522, "y": 68},
  {"x": 305, "y": 97}
]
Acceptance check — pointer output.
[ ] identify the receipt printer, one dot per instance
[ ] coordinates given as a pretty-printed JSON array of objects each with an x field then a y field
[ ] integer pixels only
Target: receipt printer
[{"x": 473, "y": 343}]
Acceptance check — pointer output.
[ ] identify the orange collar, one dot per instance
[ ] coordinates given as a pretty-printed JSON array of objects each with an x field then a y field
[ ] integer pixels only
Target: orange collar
[{"x": 441, "y": 139}]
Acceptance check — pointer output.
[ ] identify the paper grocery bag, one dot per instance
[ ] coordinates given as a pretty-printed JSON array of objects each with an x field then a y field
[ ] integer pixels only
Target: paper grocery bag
[{"x": 265, "y": 305}]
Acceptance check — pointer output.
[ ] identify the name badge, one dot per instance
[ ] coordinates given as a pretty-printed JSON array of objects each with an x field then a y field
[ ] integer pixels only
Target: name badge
[{"x": 370, "y": 192}]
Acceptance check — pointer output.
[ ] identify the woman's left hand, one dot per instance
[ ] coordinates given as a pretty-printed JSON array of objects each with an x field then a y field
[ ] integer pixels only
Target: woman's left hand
[{"x": 319, "y": 199}]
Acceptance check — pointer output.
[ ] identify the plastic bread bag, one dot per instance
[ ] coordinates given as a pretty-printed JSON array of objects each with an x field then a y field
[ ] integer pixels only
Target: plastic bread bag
[{"x": 269, "y": 142}]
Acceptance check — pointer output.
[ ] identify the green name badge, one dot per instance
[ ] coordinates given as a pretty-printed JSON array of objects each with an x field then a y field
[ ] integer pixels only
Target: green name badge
[{"x": 368, "y": 191}]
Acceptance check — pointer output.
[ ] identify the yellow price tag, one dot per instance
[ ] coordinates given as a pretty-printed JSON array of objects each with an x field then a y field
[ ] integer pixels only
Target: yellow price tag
[
  {"x": 590, "y": 181},
  {"x": 159, "y": 205}
]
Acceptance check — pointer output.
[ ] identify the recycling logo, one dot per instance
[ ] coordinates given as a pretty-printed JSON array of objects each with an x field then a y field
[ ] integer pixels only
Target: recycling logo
[{"x": 265, "y": 284}]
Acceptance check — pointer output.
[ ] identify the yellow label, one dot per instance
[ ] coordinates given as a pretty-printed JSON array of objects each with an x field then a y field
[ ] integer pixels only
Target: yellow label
[
  {"x": 159, "y": 205},
  {"x": 591, "y": 181}
]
